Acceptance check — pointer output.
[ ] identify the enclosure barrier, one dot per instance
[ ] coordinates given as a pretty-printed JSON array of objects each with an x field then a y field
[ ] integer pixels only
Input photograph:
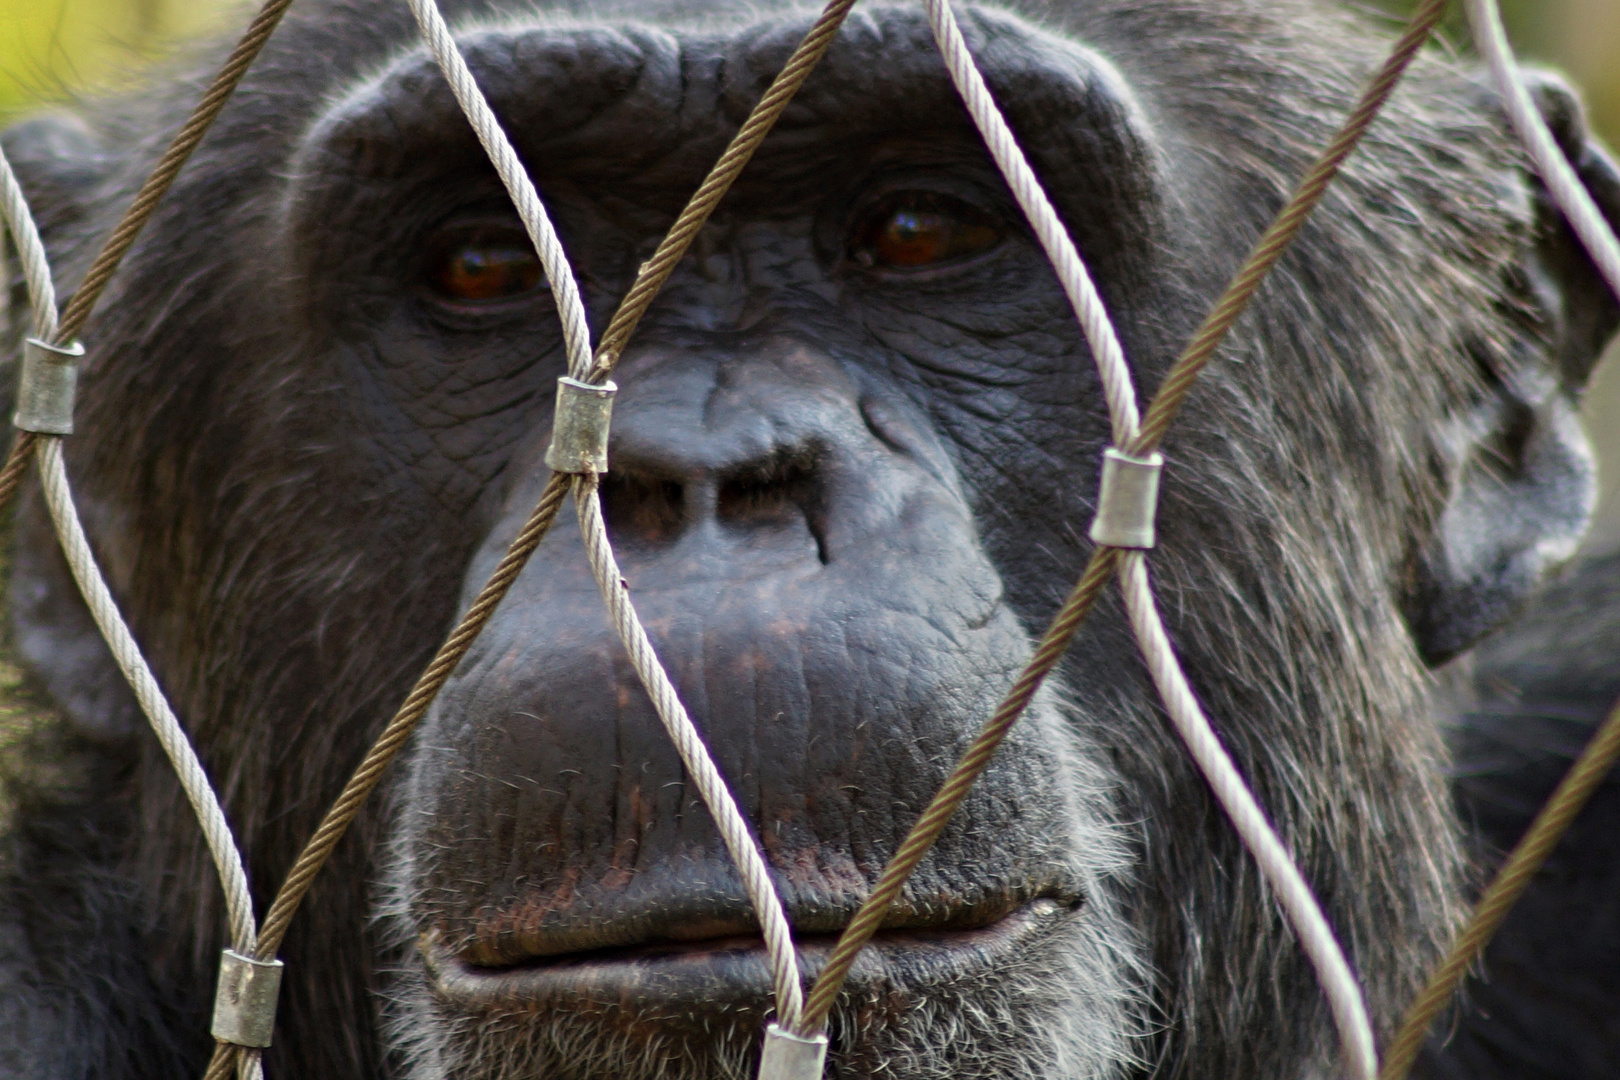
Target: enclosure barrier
[{"x": 796, "y": 1043}]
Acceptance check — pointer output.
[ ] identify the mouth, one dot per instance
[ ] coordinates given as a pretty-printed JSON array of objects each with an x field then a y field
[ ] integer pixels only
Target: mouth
[{"x": 734, "y": 967}]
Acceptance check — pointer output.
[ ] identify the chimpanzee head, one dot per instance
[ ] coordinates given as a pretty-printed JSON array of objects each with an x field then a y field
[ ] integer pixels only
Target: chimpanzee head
[{"x": 854, "y": 458}]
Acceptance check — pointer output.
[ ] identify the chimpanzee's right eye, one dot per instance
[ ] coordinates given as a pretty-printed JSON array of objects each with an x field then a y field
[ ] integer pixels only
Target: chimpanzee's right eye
[
  {"x": 485, "y": 266},
  {"x": 918, "y": 230}
]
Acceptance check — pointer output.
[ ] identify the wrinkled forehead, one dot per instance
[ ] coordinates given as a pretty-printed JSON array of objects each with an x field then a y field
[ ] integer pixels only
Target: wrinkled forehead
[{"x": 650, "y": 102}]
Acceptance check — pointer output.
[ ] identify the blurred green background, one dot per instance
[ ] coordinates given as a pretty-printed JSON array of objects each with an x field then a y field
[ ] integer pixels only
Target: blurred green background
[{"x": 56, "y": 49}]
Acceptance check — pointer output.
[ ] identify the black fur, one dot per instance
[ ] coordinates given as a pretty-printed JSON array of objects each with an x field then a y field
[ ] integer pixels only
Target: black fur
[{"x": 1548, "y": 1004}]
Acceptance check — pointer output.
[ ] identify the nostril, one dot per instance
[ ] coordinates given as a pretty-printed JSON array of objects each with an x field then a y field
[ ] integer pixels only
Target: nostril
[
  {"x": 780, "y": 492},
  {"x": 639, "y": 508}
]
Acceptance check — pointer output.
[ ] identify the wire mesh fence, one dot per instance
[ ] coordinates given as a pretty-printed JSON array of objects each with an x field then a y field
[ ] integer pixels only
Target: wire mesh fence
[{"x": 1123, "y": 532}]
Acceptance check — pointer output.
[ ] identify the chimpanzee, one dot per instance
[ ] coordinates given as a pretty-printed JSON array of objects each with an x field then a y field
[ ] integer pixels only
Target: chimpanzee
[
  {"x": 1548, "y": 1004},
  {"x": 855, "y": 454}
]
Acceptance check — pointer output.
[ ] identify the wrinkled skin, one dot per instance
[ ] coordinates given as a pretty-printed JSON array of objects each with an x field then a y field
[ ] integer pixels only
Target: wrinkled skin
[{"x": 848, "y": 487}]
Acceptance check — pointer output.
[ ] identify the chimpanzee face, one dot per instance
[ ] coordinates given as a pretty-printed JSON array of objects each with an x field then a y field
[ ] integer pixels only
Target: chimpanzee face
[{"x": 853, "y": 459}]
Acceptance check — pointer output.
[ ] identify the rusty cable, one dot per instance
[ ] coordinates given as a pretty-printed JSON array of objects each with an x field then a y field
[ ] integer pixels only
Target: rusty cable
[
  {"x": 393, "y": 738},
  {"x": 1166, "y": 403},
  {"x": 657, "y": 269},
  {"x": 141, "y": 209},
  {"x": 649, "y": 281},
  {"x": 1511, "y": 880}
]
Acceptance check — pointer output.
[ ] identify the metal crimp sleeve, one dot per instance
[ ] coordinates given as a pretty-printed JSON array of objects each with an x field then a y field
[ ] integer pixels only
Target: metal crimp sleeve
[
  {"x": 46, "y": 387},
  {"x": 1127, "y": 500},
  {"x": 792, "y": 1057},
  {"x": 245, "y": 1003},
  {"x": 579, "y": 433}
]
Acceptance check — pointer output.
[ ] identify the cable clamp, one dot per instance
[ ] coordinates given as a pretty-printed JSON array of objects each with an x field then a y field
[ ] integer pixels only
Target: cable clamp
[
  {"x": 1127, "y": 500},
  {"x": 792, "y": 1057},
  {"x": 45, "y": 390},
  {"x": 579, "y": 432},
  {"x": 245, "y": 1003}
]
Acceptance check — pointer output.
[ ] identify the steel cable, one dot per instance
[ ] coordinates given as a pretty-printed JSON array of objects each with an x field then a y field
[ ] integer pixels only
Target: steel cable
[
  {"x": 1049, "y": 229},
  {"x": 141, "y": 209},
  {"x": 655, "y": 272},
  {"x": 1544, "y": 833},
  {"x": 649, "y": 281},
  {"x": 734, "y": 830},
  {"x": 98, "y": 598},
  {"x": 515, "y": 178},
  {"x": 1600, "y": 754},
  {"x": 1567, "y": 191},
  {"x": 1282, "y": 232},
  {"x": 1249, "y": 820},
  {"x": 1518, "y": 870},
  {"x": 1166, "y": 403}
]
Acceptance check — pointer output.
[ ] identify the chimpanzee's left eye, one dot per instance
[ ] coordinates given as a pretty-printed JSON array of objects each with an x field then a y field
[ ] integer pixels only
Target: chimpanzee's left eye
[
  {"x": 913, "y": 230},
  {"x": 483, "y": 266}
]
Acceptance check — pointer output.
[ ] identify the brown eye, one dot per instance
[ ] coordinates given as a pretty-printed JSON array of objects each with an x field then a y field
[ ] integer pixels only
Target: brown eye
[
  {"x": 913, "y": 229},
  {"x": 486, "y": 266}
]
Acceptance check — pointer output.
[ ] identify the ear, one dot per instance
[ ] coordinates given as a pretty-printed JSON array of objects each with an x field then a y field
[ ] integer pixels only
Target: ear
[{"x": 1524, "y": 481}]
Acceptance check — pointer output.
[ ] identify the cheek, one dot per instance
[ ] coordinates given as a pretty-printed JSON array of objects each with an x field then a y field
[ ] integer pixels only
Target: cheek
[{"x": 448, "y": 413}]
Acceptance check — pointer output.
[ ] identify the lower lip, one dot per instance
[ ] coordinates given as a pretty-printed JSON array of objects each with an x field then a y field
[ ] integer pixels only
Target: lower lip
[{"x": 737, "y": 968}]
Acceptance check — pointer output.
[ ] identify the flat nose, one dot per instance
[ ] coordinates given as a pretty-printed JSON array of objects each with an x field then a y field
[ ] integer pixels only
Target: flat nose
[{"x": 740, "y": 454}]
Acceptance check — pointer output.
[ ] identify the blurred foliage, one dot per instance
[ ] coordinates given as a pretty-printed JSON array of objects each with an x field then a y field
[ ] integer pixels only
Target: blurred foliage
[
  {"x": 54, "y": 49},
  {"x": 51, "y": 49},
  {"x": 1578, "y": 37}
]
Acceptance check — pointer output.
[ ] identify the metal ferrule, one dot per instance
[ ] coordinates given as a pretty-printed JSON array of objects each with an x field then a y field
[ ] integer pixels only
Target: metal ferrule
[
  {"x": 45, "y": 390},
  {"x": 792, "y": 1057},
  {"x": 245, "y": 1003},
  {"x": 1127, "y": 500},
  {"x": 579, "y": 434}
]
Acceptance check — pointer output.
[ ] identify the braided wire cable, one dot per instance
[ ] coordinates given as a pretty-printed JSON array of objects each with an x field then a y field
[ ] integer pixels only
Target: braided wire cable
[
  {"x": 1567, "y": 191},
  {"x": 1512, "y": 879},
  {"x": 536, "y": 222},
  {"x": 530, "y": 208},
  {"x": 141, "y": 209},
  {"x": 171, "y": 736},
  {"x": 399, "y": 729},
  {"x": 98, "y": 598},
  {"x": 868, "y": 918},
  {"x": 1299, "y": 904},
  {"x": 25, "y": 238},
  {"x": 1588, "y": 771},
  {"x": 16, "y": 466},
  {"x": 394, "y": 737},
  {"x": 1294, "y": 895},
  {"x": 1166, "y": 403},
  {"x": 1280, "y": 235},
  {"x": 411, "y": 711},
  {"x": 176, "y": 745},
  {"x": 1049, "y": 228},
  {"x": 190, "y": 135},
  {"x": 739, "y": 841},
  {"x": 36, "y": 271},
  {"x": 655, "y": 272},
  {"x": 1077, "y": 286}
]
